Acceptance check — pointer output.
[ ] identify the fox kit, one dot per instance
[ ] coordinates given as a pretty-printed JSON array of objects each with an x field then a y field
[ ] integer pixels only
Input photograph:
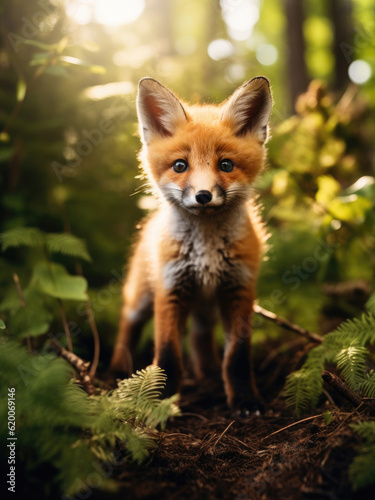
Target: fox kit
[{"x": 199, "y": 253}]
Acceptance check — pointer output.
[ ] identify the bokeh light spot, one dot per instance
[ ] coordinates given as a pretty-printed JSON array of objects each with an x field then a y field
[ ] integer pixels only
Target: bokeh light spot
[
  {"x": 220, "y": 49},
  {"x": 359, "y": 71},
  {"x": 266, "y": 54}
]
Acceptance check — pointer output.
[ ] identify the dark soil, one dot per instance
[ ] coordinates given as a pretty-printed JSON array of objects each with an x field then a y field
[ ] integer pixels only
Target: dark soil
[{"x": 208, "y": 454}]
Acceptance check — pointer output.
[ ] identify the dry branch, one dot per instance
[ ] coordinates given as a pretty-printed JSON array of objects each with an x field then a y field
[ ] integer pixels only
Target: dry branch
[
  {"x": 314, "y": 337},
  {"x": 339, "y": 386},
  {"x": 78, "y": 364}
]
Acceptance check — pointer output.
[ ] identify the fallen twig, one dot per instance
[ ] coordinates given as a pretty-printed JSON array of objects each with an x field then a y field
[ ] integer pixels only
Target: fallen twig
[
  {"x": 314, "y": 337},
  {"x": 78, "y": 364},
  {"x": 222, "y": 434},
  {"x": 339, "y": 386},
  {"x": 292, "y": 425}
]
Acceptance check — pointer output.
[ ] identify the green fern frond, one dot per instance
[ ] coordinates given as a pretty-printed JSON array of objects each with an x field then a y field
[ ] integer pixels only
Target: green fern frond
[
  {"x": 63, "y": 243},
  {"x": 346, "y": 347},
  {"x": 358, "y": 330},
  {"x": 366, "y": 430},
  {"x": 368, "y": 385},
  {"x": 303, "y": 388},
  {"x": 63, "y": 426},
  {"x": 166, "y": 409},
  {"x": 362, "y": 469},
  {"x": 138, "y": 397},
  {"x": 67, "y": 244},
  {"x": 352, "y": 363},
  {"x": 370, "y": 305},
  {"x": 138, "y": 444},
  {"x": 22, "y": 236}
]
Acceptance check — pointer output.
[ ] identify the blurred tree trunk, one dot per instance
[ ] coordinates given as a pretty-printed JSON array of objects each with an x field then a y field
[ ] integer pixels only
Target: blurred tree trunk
[
  {"x": 213, "y": 25},
  {"x": 340, "y": 12},
  {"x": 297, "y": 71},
  {"x": 163, "y": 12}
]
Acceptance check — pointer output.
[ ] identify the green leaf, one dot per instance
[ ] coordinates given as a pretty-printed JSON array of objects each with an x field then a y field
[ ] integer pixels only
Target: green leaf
[
  {"x": 57, "y": 71},
  {"x": 327, "y": 415},
  {"x": 352, "y": 362},
  {"x": 79, "y": 62},
  {"x": 362, "y": 470},
  {"x": 51, "y": 47},
  {"x": 55, "y": 281},
  {"x": 32, "y": 319},
  {"x": 63, "y": 243},
  {"x": 364, "y": 186},
  {"x": 370, "y": 304},
  {"x": 21, "y": 89},
  {"x": 351, "y": 208},
  {"x": 2, "y": 325},
  {"x": 22, "y": 236},
  {"x": 40, "y": 58},
  {"x": 328, "y": 189},
  {"x": 368, "y": 385},
  {"x": 67, "y": 244},
  {"x": 139, "y": 397}
]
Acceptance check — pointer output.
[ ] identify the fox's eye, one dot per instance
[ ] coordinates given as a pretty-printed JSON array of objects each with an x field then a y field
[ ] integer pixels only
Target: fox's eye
[
  {"x": 226, "y": 165},
  {"x": 180, "y": 166}
]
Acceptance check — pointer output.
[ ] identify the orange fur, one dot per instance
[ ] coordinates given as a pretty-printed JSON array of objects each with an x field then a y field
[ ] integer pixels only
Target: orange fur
[{"x": 196, "y": 256}]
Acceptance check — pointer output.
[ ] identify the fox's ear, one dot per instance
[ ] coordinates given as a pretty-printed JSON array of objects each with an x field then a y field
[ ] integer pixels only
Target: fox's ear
[
  {"x": 159, "y": 111},
  {"x": 249, "y": 108}
]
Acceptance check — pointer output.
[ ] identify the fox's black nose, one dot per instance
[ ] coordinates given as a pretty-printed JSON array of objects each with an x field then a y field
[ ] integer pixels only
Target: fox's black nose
[{"x": 203, "y": 197}]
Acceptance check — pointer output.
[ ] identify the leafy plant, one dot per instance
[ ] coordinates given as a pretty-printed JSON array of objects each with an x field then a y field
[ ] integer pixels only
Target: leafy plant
[
  {"x": 362, "y": 469},
  {"x": 346, "y": 348},
  {"x": 62, "y": 243},
  {"x": 49, "y": 281},
  {"x": 64, "y": 427}
]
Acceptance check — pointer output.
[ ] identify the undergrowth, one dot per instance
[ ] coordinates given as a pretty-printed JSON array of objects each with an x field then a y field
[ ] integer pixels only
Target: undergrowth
[
  {"x": 59, "y": 425},
  {"x": 348, "y": 350}
]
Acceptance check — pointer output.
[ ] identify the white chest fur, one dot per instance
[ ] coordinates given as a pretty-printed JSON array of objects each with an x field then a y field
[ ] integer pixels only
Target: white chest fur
[{"x": 206, "y": 258}]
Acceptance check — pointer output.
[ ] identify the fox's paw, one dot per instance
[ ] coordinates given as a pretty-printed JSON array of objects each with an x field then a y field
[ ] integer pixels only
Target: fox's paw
[{"x": 246, "y": 407}]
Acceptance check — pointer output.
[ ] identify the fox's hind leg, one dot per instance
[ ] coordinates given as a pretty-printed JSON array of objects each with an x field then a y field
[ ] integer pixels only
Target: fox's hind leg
[
  {"x": 206, "y": 361},
  {"x": 136, "y": 312}
]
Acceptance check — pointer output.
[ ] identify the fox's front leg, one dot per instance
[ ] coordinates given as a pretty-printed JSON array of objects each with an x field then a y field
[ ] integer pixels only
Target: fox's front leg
[
  {"x": 170, "y": 317},
  {"x": 242, "y": 394}
]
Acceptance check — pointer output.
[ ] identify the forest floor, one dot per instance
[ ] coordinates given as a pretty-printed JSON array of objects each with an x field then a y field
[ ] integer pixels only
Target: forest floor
[{"x": 206, "y": 453}]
